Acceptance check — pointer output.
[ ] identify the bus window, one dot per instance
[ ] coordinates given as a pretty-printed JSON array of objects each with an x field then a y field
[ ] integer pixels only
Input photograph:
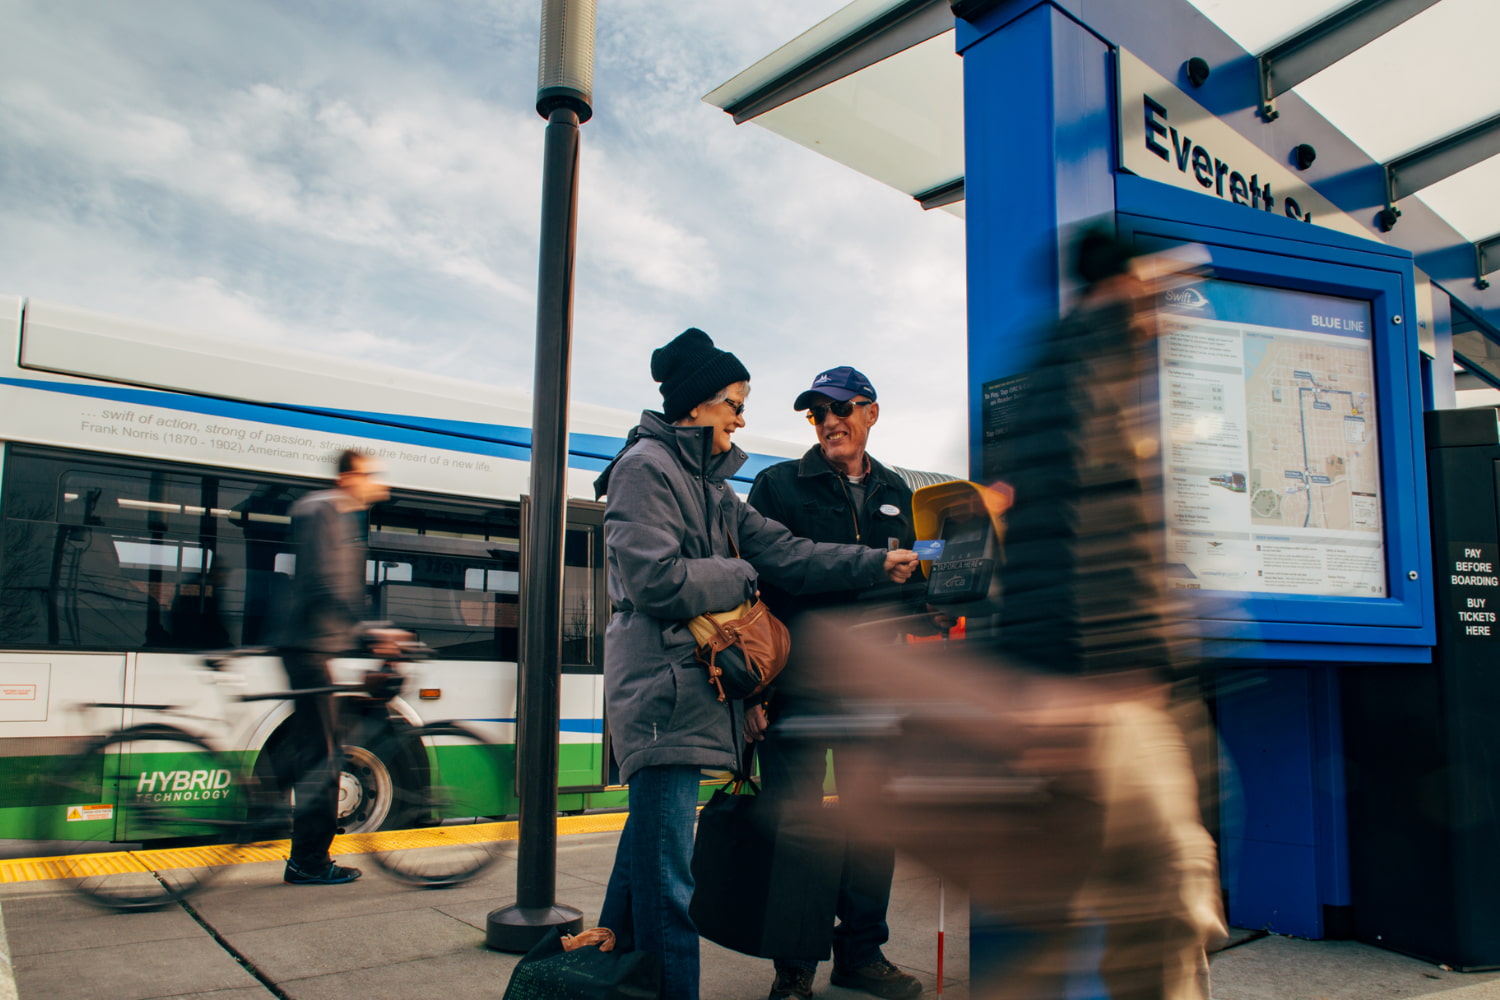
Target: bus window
[
  {"x": 102, "y": 554},
  {"x": 582, "y": 643},
  {"x": 451, "y": 572}
]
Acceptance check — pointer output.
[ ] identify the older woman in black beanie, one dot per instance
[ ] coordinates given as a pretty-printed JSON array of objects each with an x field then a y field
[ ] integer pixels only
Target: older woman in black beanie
[{"x": 680, "y": 543}]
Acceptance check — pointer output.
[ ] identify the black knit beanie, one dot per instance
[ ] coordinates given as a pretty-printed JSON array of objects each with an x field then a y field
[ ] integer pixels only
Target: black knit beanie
[{"x": 692, "y": 370}]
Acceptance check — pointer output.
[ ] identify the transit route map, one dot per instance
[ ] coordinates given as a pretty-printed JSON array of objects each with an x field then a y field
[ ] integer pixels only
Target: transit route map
[
  {"x": 1271, "y": 458},
  {"x": 1310, "y": 416}
]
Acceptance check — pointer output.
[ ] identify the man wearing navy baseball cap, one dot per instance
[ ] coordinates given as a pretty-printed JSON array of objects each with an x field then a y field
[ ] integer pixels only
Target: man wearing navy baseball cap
[{"x": 834, "y": 493}]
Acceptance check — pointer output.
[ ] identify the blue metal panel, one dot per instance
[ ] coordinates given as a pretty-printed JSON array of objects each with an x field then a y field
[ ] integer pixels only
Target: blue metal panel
[
  {"x": 1272, "y": 853},
  {"x": 1329, "y": 787},
  {"x": 1278, "y": 892},
  {"x": 1246, "y": 245},
  {"x": 1253, "y": 229},
  {"x": 1271, "y": 651},
  {"x": 1039, "y": 154}
]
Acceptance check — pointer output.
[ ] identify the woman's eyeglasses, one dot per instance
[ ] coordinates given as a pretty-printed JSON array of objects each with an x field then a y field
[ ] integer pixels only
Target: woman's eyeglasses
[
  {"x": 815, "y": 414},
  {"x": 735, "y": 405}
]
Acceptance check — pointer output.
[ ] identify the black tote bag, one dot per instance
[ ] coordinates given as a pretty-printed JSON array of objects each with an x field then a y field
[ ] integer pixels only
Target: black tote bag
[
  {"x": 763, "y": 887},
  {"x": 548, "y": 972}
]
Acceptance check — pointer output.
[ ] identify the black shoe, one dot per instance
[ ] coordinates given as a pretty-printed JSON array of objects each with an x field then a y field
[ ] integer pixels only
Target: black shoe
[
  {"x": 880, "y": 978},
  {"x": 332, "y": 874},
  {"x": 792, "y": 984}
]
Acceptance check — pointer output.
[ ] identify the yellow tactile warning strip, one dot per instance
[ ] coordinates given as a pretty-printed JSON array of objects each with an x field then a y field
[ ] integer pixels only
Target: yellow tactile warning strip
[
  {"x": 114, "y": 862},
  {"x": 39, "y": 869}
]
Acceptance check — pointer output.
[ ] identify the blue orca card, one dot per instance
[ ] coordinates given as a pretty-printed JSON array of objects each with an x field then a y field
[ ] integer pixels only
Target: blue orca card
[{"x": 929, "y": 550}]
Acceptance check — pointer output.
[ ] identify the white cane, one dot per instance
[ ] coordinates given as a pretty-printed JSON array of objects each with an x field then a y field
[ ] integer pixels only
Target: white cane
[{"x": 940, "y": 938}]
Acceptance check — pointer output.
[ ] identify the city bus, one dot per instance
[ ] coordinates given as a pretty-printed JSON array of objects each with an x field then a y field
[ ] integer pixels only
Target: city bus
[{"x": 145, "y": 479}]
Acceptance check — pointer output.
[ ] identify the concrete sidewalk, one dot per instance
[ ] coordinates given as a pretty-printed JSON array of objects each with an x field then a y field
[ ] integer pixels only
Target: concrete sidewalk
[{"x": 250, "y": 936}]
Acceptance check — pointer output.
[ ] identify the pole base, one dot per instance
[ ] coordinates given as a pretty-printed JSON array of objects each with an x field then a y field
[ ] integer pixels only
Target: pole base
[{"x": 518, "y": 928}]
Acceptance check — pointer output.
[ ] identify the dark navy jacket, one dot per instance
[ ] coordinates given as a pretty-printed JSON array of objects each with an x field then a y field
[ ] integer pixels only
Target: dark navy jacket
[{"x": 812, "y": 499}]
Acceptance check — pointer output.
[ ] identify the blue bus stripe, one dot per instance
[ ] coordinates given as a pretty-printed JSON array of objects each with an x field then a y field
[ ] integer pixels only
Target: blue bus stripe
[
  {"x": 593, "y": 726},
  {"x": 591, "y": 452}
]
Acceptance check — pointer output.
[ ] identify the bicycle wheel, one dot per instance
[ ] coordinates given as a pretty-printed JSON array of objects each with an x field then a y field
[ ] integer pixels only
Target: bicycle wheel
[
  {"x": 453, "y": 785},
  {"x": 147, "y": 815}
]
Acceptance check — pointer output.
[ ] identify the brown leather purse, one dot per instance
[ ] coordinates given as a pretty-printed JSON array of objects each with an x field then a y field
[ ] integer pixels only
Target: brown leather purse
[{"x": 743, "y": 648}]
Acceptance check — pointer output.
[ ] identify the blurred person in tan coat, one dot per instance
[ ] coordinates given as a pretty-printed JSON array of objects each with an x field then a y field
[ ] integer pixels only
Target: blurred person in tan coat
[{"x": 1042, "y": 763}]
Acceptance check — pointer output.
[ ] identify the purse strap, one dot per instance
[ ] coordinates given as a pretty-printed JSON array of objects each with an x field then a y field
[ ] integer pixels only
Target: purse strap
[{"x": 741, "y": 777}]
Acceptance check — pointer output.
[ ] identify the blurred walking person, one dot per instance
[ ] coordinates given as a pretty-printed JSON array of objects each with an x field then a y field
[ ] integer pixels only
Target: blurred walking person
[
  {"x": 323, "y": 618},
  {"x": 681, "y": 543},
  {"x": 1085, "y": 596},
  {"x": 1039, "y": 763}
]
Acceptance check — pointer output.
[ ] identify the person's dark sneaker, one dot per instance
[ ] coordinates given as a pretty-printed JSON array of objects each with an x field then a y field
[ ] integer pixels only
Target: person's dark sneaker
[
  {"x": 331, "y": 874},
  {"x": 792, "y": 984},
  {"x": 880, "y": 978}
]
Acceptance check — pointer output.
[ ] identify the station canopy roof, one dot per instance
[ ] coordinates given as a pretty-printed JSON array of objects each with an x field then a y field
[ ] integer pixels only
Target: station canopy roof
[{"x": 878, "y": 87}]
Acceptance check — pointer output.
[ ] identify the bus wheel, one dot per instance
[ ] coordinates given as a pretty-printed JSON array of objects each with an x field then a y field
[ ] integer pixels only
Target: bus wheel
[
  {"x": 367, "y": 781},
  {"x": 365, "y": 791}
]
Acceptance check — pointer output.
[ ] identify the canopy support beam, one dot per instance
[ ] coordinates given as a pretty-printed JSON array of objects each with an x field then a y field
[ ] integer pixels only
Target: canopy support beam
[
  {"x": 1437, "y": 161},
  {"x": 946, "y": 193},
  {"x": 1484, "y": 254},
  {"x": 1315, "y": 48}
]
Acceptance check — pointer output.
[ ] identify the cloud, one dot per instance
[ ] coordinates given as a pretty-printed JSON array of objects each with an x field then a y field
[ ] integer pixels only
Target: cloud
[
  {"x": 417, "y": 181},
  {"x": 364, "y": 178}
]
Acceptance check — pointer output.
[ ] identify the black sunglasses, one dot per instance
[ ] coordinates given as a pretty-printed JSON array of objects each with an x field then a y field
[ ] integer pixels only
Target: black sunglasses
[
  {"x": 735, "y": 405},
  {"x": 815, "y": 414}
]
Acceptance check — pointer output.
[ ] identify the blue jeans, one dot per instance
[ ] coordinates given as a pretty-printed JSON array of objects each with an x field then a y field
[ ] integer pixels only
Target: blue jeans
[
  {"x": 793, "y": 771},
  {"x": 646, "y": 904}
]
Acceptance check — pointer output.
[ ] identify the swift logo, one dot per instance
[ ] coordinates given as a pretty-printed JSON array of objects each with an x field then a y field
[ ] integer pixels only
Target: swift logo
[{"x": 1186, "y": 298}]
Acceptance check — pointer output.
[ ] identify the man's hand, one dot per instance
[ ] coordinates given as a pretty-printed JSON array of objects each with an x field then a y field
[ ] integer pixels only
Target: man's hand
[
  {"x": 900, "y": 564},
  {"x": 755, "y": 723}
]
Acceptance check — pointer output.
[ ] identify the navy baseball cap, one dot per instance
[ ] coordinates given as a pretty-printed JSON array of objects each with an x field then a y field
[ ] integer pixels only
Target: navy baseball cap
[{"x": 839, "y": 384}]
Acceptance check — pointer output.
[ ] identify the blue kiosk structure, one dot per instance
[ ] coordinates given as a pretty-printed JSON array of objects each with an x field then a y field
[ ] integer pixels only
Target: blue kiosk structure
[{"x": 1306, "y": 376}]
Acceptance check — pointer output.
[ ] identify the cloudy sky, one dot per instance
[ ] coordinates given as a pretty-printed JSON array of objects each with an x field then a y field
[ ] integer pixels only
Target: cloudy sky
[{"x": 363, "y": 176}]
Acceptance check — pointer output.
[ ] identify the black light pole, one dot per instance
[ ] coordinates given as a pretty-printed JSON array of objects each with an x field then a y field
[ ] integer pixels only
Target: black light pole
[{"x": 564, "y": 93}]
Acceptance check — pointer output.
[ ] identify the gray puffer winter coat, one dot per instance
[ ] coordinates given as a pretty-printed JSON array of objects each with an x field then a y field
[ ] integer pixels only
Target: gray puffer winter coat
[{"x": 667, "y": 521}]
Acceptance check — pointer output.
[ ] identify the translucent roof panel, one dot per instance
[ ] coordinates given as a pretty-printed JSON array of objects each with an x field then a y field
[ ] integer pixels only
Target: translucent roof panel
[
  {"x": 1467, "y": 201},
  {"x": 1389, "y": 98},
  {"x": 900, "y": 121},
  {"x": 1474, "y": 349},
  {"x": 1260, "y": 25},
  {"x": 814, "y": 40}
]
